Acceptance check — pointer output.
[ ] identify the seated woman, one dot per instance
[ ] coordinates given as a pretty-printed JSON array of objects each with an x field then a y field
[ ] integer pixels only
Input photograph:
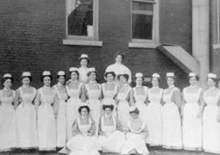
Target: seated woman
[
  {"x": 136, "y": 135},
  {"x": 111, "y": 138},
  {"x": 83, "y": 141}
]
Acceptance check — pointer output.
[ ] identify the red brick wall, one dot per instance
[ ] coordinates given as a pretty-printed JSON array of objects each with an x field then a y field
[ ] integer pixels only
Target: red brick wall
[{"x": 31, "y": 33}]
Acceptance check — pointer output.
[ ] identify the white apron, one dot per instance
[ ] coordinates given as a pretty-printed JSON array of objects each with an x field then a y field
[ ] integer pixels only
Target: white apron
[
  {"x": 211, "y": 128},
  {"x": 192, "y": 126},
  {"x": 154, "y": 118},
  {"x": 72, "y": 107},
  {"x": 172, "y": 134},
  {"x": 46, "y": 122},
  {"x": 27, "y": 121},
  {"x": 113, "y": 139}
]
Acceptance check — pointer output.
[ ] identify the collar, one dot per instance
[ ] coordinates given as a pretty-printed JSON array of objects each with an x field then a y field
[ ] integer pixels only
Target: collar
[
  {"x": 155, "y": 87},
  {"x": 92, "y": 81},
  {"x": 172, "y": 86},
  {"x": 24, "y": 86},
  {"x": 46, "y": 86},
  {"x": 7, "y": 88}
]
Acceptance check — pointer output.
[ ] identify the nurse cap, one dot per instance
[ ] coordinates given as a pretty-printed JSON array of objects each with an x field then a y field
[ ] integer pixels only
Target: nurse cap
[
  {"x": 170, "y": 74},
  {"x": 46, "y": 73},
  {"x": 92, "y": 69},
  {"x": 155, "y": 75},
  {"x": 84, "y": 56},
  {"x": 138, "y": 75},
  {"x": 7, "y": 75},
  {"x": 192, "y": 74},
  {"x": 61, "y": 73},
  {"x": 212, "y": 75},
  {"x": 26, "y": 74}
]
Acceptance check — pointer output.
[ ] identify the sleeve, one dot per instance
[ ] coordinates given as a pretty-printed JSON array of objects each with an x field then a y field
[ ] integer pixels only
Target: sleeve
[
  {"x": 37, "y": 99},
  {"x": 118, "y": 124},
  {"x": 17, "y": 98},
  {"x": 75, "y": 128},
  {"x": 130, "y": 75},
  {"x": 177, "y": 97},
  {"x": 93, "y": 128},
  {"x": 56, "y": 103}
]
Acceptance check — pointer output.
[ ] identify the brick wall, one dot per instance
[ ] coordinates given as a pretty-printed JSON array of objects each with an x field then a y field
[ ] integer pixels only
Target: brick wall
[{"x": 31, "y": 33}]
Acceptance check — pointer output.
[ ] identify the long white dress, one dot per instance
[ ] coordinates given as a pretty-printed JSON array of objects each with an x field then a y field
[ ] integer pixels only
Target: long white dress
[
  {"x": 135, "y": 138},
  {"x": 8, "y": 135},
  {"x": 81, "y": 143},
  {"x": 113, "y": 140},
  {"x": 72, "y": 106},
  {"x": 172, "y": 134},
  {"x": 94, "y": 104},
  {"x": 123, "y": 107},
  {"x": 83, "y": 74},
  {"x": 61, "y": 117},
  {"x": 154, "y": 117},
  {"x": 46, "y": 121},
  {"x": 192, "y": 125},
  {"x": 108, "y": 97},
  {"x": 26, "y": 120},
  {"x": 139, "y": 103},
  {"x": 211, "y": 128}
]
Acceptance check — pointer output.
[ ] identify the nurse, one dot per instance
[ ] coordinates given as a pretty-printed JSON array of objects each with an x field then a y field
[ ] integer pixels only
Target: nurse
[
  {"x": 172, "y": 135},
  {"x": 47, "y": 106},
  {"x": 83, "y": 69},
  {"x": 111, "y": 137},
  {"x": 26, "y": 114},
  {"x": 192, "y": 122}
]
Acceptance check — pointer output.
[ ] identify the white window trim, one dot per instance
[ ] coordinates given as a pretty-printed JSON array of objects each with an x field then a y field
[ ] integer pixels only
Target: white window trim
[
  {"x": 140, "y": 43},
  {"x": 84, "y": 40}
]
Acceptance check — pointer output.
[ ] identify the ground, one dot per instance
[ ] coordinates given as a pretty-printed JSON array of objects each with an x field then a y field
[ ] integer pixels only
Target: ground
[{"x": 153, "y": 151}]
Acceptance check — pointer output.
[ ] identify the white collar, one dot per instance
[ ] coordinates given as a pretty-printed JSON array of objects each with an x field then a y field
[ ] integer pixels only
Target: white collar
[
  {"x": 47, "y": 86},
  {"x": 172, "y": 86},
  {"x": 7, "y": 88},
  {"x": 24, "y": 86}
]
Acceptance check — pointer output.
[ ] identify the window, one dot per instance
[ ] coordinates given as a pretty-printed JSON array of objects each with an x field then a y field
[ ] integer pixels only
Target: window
[
  {"x": 82, "y": 22},
  {"x": 144, "y": 23}
]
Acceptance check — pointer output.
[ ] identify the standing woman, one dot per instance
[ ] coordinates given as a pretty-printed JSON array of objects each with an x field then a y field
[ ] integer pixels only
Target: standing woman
[
  {"x": 93, "y": 94},
  {"x": 61, "y": 115},
  {"x": 109, "y": 90},
  {"x": 8, "y": 134},
  {"x": 140, "y": 96},
  {"x": 211, "y": 116},
  {"x": 26, "y": 114},
  {"x": 46, "y": 105},
  {"x": 83, "y": 69},
  {"x": 74, "y": 91},
  {"x": 124, "y": 99},
  {"x": 192, "y": 122},
  {"x": 154, "y": 112},
  {"x": 172, "y": 136}
]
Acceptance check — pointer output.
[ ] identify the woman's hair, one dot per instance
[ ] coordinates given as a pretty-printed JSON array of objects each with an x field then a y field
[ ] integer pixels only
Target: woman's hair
[
  {"x": 108, "y": 106},
  {"x": 124, "y": 75},
  {"x": 42, "y": 77},
  {"x": 6, "y": 78},
  {"x": 30, "y": 77},
  {"x": 86, "y": 107}
]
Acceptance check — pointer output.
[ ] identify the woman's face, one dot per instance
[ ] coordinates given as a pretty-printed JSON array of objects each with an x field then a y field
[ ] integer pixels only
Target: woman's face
[
  {"x": 61, "y": 80},
  {"x": 192, "y": 81},
  {"x": 210, "y": 82},
  {"x": 26, "y": 81},
  {"x": 84, "y": 63},
  {"x": 170, "y": 81},
  {"x": 110, "y": 77},
  {"x": 92, "y": 76},
  {"x": 108, "y": 111},
  {"x": 122, "y": 80},
  {"x": 74, "y": 76},
  {"x": 84, "y": 112},
  {"x": 118, "y": 59},
  {"x": 134, "y": 115},
  {"x": 155, "y": 82},
  {"x": 139, "y": 81},
  {"x": 47, "y": 81},
  {"x": 8, "y": 83}
]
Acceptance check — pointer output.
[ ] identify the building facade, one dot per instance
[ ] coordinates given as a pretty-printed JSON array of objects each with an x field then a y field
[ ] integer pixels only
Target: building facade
[{"x": 155, "y": 35}]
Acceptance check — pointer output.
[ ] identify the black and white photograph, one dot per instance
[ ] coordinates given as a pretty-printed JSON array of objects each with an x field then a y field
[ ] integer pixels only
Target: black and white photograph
[{"x": 110, "y": 77}]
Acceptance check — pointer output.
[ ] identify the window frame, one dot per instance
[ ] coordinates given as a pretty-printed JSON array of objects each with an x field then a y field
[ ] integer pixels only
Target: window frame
[
  {"x": 84, "y": 40},
  {"x": 146, "y": 43}
]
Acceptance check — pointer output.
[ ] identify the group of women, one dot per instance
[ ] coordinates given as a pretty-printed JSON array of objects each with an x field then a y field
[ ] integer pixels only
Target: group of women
[{"x": 85, "y": 117}]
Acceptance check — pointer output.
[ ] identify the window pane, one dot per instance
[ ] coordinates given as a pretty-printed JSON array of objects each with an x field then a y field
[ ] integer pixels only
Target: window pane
[
  {"x": 142, "y": 26},
  {"x": 80, "y": 17},
  {"x": 142, "y": 6}
]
